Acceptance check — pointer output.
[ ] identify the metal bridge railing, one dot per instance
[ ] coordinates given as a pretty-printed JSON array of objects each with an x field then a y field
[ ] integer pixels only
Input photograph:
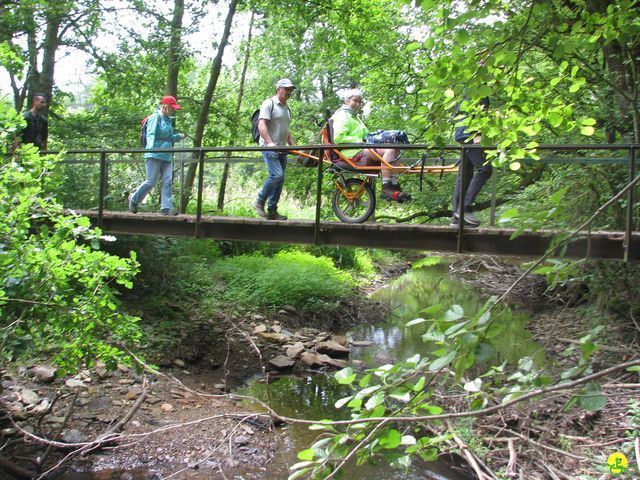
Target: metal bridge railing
[{"x": 199, "y": 156}]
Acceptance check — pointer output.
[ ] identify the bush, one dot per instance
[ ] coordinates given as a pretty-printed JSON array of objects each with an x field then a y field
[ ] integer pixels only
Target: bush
[
  {"x": 289, "y": 278},
  {"x": 55, "y": 293}
]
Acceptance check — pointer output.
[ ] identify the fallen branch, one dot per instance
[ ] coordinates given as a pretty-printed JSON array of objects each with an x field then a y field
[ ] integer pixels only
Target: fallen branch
[
  {"x": 464, "y": 448},
  {"x": 512, "y": 465},
  {"x": 538, "y": 444}
]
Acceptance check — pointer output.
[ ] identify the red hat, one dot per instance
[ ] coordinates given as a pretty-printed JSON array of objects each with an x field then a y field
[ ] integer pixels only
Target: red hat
[{"x": 171, "y": 101}]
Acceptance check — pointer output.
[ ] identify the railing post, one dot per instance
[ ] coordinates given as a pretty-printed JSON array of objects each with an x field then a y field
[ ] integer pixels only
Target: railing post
[
  {"x": 316, "y": 226},
  {"x": 200, "y": 189},
  {"x": 492, "y": 213},
  {"x": 629, "y": 211},
  {"x": 462, "y": 191},
  {"x": 181, "y": 176},
  {"x": 103, "y": 185}
]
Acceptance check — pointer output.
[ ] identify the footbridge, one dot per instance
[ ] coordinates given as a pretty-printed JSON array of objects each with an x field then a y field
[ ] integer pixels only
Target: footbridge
[{"x": 108, "y": 176}]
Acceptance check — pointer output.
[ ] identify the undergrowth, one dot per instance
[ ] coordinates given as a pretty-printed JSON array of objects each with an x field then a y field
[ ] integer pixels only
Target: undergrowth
[{"x": 289, "y": 278}]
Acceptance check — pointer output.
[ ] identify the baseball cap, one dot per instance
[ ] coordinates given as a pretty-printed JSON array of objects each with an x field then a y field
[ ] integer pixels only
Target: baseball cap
[
  {"x": 285, "y": 83},
  {"x": 171, "y": 101}
]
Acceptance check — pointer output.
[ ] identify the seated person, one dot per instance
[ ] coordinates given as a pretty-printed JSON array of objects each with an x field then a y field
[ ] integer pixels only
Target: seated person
[{"x": 348, "y": 128}]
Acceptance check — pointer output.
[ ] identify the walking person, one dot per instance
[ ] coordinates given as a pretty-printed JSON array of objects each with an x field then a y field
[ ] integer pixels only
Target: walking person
[
  {"x": 37, "y": 130},
  {"x": 477, "y": 171},
  {"x": 273, "y": 124},
  {"x": 160, "y": 133}
]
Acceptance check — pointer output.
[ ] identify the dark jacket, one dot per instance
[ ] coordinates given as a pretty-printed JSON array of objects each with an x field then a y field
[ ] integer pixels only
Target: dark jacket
[{"x": 36, "y": 131}]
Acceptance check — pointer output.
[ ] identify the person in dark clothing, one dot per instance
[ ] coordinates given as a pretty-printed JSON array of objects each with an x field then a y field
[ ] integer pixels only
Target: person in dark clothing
[
  {"x": 37, "y": 129},
  {"x": 477, "y": 172}
]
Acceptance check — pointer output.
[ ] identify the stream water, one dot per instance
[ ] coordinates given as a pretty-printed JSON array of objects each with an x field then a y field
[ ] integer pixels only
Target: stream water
[{"x": 313, "y": 397}]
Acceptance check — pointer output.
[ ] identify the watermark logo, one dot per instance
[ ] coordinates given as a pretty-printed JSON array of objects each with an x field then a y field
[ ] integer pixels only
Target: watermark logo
[{"x": 618, "y": 463}]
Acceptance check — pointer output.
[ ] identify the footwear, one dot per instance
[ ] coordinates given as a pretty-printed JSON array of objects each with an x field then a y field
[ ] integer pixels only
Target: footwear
[
  {"x": 274, "y": 215},
  {"x": 259, "y": 208},
  {"x": 393, "y": 192},
  {"x": 133, "y": 206},
  {"x": 167, "y": 211},
  {"x": 469, "y": 220}
]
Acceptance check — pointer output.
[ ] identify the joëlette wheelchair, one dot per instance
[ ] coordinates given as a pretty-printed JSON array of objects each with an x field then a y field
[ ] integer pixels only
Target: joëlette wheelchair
[{"x": 354, "y": 199}]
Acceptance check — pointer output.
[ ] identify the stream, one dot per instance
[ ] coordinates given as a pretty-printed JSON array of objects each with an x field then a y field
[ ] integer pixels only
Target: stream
[{"x": 314, "y": 396}]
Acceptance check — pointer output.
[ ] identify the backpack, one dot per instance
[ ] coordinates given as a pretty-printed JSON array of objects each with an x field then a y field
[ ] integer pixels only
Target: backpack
[
  {"x": 143, "y": 132},
  {"x": 255, "y": 118},
  {"x": 387, "y": 136}
]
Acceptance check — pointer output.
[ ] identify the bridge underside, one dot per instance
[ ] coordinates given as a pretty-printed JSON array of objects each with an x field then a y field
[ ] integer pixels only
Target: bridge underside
[{"x": 600, "y": 245}]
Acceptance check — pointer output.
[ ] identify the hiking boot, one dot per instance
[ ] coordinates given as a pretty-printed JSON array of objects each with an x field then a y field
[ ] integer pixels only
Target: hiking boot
[
  {"x": 274, "y": 215},
  {"x": 259, "y": 208},
  {"x": 393, "y": 192},
  {"x": 133, "y": 206},
  {"x": 469, "y": 220}
]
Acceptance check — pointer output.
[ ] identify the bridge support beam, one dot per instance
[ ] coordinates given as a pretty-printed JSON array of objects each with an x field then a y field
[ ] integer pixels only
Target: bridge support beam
[{"x": 602, "y": 245}]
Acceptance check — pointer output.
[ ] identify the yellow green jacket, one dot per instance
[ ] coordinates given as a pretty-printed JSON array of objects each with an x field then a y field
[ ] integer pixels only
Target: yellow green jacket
[{"x": 348, "y": 128}]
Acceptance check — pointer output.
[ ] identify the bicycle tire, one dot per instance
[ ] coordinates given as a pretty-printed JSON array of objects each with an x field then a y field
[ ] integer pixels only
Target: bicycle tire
[{"x": 360, "y": 208}]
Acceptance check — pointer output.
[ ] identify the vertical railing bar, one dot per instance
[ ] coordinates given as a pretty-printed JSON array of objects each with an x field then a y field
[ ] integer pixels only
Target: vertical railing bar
[
  {"x": 316, "y": 226},
  {"x": 492, "y": 213},
  {"x": 102, "y": 188},
  {"x": 630, "y": 200},
  {"x": 181, "y": 190},
  {"x": 461, "y": 194},
  {"x": 629, "y": 209},
  {"x": 200, "y": 190}
]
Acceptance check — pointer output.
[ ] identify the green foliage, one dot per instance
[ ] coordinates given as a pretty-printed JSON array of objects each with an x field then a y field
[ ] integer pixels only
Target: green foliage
[
  {"x": 289, "y": 278},
  {"x": 55, "y": 284}
]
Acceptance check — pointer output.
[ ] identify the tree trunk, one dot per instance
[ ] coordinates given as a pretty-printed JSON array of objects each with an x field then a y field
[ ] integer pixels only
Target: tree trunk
[
  {"x": 175, "y": 48},
  {"x": 236, "y": 116},
  {"x": 216, "y": 67}
]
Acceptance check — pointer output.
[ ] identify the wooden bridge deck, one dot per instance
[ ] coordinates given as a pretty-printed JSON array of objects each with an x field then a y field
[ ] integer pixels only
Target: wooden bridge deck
[{"x": 495, "y": 241}]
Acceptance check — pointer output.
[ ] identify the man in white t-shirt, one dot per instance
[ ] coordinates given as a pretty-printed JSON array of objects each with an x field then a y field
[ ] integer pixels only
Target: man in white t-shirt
[{"x": 273, "y": 124}]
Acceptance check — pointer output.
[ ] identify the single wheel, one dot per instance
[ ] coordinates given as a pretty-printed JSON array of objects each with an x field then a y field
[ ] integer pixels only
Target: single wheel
[{"x": 354, "y": 200}]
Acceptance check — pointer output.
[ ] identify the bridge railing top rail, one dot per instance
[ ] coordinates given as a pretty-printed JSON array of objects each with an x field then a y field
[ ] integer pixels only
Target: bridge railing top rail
[{"x": 404, "y": 146}]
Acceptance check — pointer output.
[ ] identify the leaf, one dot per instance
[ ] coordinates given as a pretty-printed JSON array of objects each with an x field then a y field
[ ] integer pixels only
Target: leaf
[
  {"x": 340, "y": 403},
  {"x": 442, "y": 361},
  {"x": 305, "y": 455},
  {"x": 419, "y": 385},
  {"x": 408, "y": 440},
  {"x": 473, "y": 385},
  {"x": 412, "y": 46},
  {"x": 593, "y": 403},
  {"x": 454, "y": 313},
  {"x": 391, "y": 439},
  {"x": 416, "y": 321},
  {"x": 345, "y": 376},
  {"x": 587, "y": 131},
  {"x": 449, "y": 93},
  {"x": 432, "y": 310},
  {"x": 299, "y": 473}
]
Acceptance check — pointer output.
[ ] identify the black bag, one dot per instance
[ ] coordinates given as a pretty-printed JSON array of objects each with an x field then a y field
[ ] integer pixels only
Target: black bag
[
  {"x": 387, "y": 136},
  {"x": 255, "y": 118},
  {"x": 255, "y": 133},
  {"x": 143, "y": 132}
]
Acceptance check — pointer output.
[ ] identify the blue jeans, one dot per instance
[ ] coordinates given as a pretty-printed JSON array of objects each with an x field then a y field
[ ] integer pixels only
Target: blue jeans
[
  {"x": 156, "y": 168},
  {"x": 272, "y": 188},
  {"x": 476, "y": 173}
]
